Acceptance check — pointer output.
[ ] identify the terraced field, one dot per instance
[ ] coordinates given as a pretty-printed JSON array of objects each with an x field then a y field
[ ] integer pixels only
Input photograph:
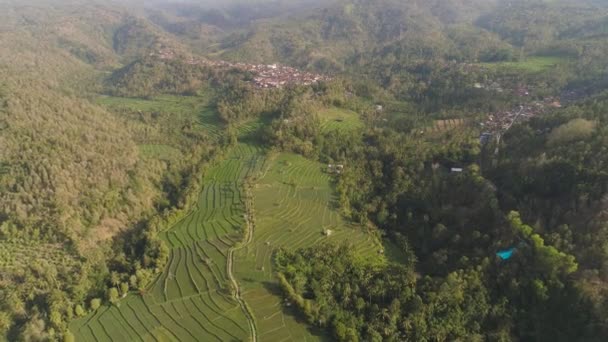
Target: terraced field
[
  {"x": 192, "y": 299},
  {"x": 446, "y": 125},
  {"x": 289, "y": 203},
  {"x": 294, "y": 208},
  {"x": 183, "y": 106}
]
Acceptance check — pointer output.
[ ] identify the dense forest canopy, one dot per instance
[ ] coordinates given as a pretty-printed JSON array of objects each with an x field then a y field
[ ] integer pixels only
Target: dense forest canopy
[{"x": 466, "y": 138}]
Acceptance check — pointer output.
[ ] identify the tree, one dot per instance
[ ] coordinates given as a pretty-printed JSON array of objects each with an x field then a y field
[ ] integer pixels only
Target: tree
[
  {"x": 114, "y": 278},
  {"x": 34, "y": 330},
  {"x": 79, "y": 311},
  {"x": 95, "y": 303},
  {"x": 576, "y": 129},
  {"x": 124, "y": 289},
  {"x": 56, "y": 319},
  {"x": 144, "y": 277},
  {"x": 113, "y": 295},
  {"x": 5, "y": 322},
  {"x": 68, "y": 336}
]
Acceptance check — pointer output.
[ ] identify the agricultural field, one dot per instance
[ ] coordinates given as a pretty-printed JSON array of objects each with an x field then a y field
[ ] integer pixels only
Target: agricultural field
[
  {"x": 165, "y": 103},
  {"x": 534, "y": 64},
  {"x": 446, "y": 125},
  {"x": 180, "y": 106},
  {"x": 287, "y": 201},
  {"x": 192, "y": 299},
  {"x": 337, "y": 118},
  {"x": 294, "y": 207}
]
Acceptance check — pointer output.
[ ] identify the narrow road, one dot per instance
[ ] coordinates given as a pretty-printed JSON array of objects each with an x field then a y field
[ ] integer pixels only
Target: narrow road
[
  {"x": 521, "y": 110},
  {"x": 230, "y": 264}
]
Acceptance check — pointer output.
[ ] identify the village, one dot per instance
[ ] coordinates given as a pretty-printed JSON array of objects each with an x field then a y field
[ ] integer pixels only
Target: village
[
  {"x": 501, "y": 121},
  {"x": 264, "y": 76}
]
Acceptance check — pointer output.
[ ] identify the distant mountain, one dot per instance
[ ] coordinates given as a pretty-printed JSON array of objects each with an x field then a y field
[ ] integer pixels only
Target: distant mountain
[{"x": 343, "y": 32}]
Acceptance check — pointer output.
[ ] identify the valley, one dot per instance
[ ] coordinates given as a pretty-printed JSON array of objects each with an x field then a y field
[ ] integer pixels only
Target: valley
[{"x": 303, "y": 170}]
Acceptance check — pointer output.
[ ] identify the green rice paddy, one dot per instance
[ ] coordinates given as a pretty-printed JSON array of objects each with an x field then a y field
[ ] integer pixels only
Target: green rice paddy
[
  {"x": 291, "y": 203},
  {"x": 191, "y": 300},
  {"x": 294, "y": 208}
]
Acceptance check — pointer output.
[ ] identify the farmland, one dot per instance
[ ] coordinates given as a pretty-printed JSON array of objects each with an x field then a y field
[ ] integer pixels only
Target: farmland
[
  {"x": 447, "y": 124},
  {"x": 169, "y": 110},
  {"x": 215, "y": 286},
  {"x": 533, "y": 64},
  {"x": 167, "y": 103},
  {"x": 337, "y": 118},
  {"x": 294, "y": 208},
  {"x": 191, "y": 300}
]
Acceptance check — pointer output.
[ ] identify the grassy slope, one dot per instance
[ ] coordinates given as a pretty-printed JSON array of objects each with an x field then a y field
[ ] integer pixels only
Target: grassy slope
[
  {"x": 178, "y": 105},
  {"x": 535, "y": 64},
  {"x": 337, "y": 118},
  {"x": 182, "y": 106},
  {"x": 293, "y": 203}
]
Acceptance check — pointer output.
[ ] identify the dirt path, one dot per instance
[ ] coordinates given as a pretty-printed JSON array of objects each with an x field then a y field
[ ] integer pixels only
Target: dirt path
[{"x": 230, "y": 264}]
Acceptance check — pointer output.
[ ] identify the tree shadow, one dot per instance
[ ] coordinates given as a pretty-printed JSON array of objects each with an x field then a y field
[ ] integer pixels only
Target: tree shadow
[{"x": 292, "y": 311}]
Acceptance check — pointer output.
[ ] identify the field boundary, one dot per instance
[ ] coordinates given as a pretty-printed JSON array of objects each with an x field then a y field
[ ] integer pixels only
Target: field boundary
[{"x": 249, "y": 223}]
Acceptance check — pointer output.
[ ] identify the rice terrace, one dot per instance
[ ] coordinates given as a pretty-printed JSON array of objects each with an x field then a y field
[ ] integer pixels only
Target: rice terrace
[{"x": 219, "y": 283}]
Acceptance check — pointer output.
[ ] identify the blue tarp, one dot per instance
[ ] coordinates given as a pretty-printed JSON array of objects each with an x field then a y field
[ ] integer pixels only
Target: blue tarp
[{"x": 506, "y": 254}]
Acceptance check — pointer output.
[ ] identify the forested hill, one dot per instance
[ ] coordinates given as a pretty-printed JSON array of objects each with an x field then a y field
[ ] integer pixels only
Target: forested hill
[
  {"x": 337, "y": 35},
  {"x": 347, "y": 35},
  {"x": 73, "y": 177}
]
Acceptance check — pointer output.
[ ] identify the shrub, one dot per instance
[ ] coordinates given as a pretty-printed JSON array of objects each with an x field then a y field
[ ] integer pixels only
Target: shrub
[{"x": 577, "y": 129}]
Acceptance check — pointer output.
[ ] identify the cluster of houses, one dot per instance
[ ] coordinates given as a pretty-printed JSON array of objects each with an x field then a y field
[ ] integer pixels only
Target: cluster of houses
[
  {"x": 502, "y": 121},
  {"x": 164, "y": 54},
  {"x": 264, "y": 76},
  {"x": 521, "y": 91},
  {"x": 275, "y": 76}
]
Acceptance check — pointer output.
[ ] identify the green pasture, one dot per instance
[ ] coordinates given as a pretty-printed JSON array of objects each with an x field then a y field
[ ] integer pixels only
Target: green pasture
[
  {"x": 337, "y": 118},
  {"x": 534, "y": 64}
]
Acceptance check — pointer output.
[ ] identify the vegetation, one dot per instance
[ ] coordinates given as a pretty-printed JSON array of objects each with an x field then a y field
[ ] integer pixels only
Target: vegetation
[
  {"x": 195, "y": 282},
  {"x": 145, "y": 195},
  {"x": 294, "y": 207}
]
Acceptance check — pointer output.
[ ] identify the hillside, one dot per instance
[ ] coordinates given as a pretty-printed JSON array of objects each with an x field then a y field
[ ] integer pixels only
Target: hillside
[
  {"x": 344, "y": 33},
  {"x": 73, "y": 179},
  {"x": 275, "y": 170}
]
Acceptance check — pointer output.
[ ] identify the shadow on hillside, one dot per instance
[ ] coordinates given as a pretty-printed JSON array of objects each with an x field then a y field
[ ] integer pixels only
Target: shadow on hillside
[{"x": 291, "y": 311}]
